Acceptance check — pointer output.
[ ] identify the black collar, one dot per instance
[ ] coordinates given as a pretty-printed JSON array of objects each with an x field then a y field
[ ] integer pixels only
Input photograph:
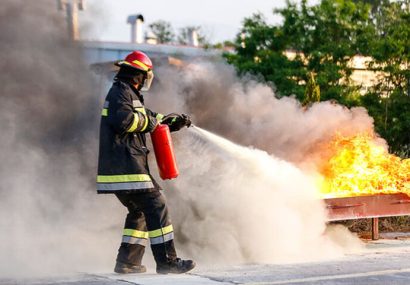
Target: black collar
[{"x": 135, "y": 90}]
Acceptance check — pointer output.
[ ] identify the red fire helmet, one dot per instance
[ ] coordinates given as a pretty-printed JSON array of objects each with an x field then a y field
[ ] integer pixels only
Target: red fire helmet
[{"x": 139, "y": 60}]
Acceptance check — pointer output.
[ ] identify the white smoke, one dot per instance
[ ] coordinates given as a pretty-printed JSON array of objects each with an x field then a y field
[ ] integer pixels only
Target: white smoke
[
  {"x": 52, "y": 221},
  {"x": 239, "y": 204},
  {"x": 248, "y": 112},
  {"x": 246, "y": 204},
  {"x": 230, "y": 204}
]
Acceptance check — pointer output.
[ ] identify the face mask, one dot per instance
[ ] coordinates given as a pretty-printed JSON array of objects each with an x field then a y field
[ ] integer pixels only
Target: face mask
[{"x": 148, "y": 80}]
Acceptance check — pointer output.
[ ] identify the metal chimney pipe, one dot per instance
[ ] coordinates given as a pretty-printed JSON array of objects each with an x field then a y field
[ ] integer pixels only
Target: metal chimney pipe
[
  {"x": 140, "y": 35},
  {"x": 72, "y": 21},
  {"x": 193, "y": 37},
  {"x": 71, "y": 7},
  {"x": 136, "y": 22},
  {"x": 81, "y": 5}
]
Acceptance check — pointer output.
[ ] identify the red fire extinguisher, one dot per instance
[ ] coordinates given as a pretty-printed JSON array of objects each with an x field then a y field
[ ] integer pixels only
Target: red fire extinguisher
[{"x": 164, "y": 152}]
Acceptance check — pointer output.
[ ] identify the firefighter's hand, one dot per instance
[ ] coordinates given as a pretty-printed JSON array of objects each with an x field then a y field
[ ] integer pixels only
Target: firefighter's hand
[
  {"x": 152, "y": 124},
  {"x": 176, "y": 122}
]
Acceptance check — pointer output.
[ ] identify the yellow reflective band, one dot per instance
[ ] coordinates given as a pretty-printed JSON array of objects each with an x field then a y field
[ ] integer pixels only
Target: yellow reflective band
[
  {"x": 161, "y": 232},
  {"x": 146, "y": 124},
  {"x": 139, "y": 63},
  {"x": 159, "y": 117},
  {"x": 104, "y": 112},
  {"x": 124, "y": 62},
  {"x": 134, "y": 124},
  {"x": 123, "y": 178},
  {"x": 135, "y": 233},
  {"x": 143, "y": 111}
]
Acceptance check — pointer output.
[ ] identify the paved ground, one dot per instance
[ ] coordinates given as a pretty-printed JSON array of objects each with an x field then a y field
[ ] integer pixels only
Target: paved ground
[{"x": 386, "y": 262}]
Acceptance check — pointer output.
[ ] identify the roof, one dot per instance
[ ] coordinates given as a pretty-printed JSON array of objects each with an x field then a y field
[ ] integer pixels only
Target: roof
[{"x": 97, "y": 52}]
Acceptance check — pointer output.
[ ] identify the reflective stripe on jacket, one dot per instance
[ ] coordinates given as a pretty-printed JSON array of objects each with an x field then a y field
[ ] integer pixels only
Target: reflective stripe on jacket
[{"x": 122, "y": 161}]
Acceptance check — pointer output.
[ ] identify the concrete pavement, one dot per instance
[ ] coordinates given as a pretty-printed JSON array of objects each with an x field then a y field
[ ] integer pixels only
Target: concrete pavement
[{"x": 384, "y": 262}]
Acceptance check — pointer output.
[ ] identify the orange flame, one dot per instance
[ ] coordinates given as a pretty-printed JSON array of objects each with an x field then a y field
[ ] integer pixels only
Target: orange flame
[{"x": 359, "y": 167}]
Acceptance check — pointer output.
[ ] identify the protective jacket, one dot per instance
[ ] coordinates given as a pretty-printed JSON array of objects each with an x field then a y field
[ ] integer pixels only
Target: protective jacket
[{"x": 122, "y": 162}]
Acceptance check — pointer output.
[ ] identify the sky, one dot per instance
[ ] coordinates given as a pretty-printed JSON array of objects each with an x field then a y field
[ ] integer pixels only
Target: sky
[{"x": 220, "y": 19}]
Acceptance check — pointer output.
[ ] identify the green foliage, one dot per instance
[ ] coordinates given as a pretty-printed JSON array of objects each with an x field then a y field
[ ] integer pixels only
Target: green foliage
[
  {"x": 390, "y": 50},
  {"x": 165, "y": 34},
  {"x": 322, "y": 40},
  {"x": 375, "y": 4},
  {"x": 391, "y": 46},
  {"x": 163, "y": 31},
  {"x": 312, "y": 91},
  {"x": 224, "y": 45},
  {"x": 260, "y": 51},
  {"x": 395, "y": 126},
  {"x": 184, "y": 35}
]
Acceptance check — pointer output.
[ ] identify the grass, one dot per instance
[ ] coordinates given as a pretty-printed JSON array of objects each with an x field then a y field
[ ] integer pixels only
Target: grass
[{"x": 390, "y": 224}]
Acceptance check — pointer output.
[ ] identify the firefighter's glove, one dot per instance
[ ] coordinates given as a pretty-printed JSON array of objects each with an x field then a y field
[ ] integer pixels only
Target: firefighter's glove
[{"x": 175, "y": 122}]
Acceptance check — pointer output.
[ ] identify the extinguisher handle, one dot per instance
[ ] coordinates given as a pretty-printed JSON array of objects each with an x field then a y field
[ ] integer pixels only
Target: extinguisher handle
[
  {"x": 176, "y": 122},
  {"x": 187, "y": 120}
]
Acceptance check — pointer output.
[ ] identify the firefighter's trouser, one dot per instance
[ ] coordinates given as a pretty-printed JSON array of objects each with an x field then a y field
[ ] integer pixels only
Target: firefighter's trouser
[{"x": 147, "y": 220}]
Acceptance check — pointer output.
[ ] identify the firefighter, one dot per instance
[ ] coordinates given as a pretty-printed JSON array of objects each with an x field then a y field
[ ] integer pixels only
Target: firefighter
[{"x": 123, "y": 169}]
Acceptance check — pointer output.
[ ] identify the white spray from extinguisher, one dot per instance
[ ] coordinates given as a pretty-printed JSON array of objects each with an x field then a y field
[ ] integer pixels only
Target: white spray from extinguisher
[
  {"x": 230, "y": 148},
  {"x": 250, "y": 156},
  {"x": 220, "y": 142},
  {"x": 264, "y": 209}
]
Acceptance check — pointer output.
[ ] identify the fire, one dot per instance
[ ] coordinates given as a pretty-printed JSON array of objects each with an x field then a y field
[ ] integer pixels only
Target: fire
[{"x": 359, "y": 166}]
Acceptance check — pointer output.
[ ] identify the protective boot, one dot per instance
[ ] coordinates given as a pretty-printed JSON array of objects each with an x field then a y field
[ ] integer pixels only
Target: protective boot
[
  {"x": 124, "y": 268},
  {"x": 176, "y": 266}
]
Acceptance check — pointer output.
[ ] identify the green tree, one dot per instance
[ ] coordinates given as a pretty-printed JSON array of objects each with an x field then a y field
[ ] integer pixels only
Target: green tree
[
  {"x": 375, "y": 4},
  {"x": 312, "y": 91},
  {"x": 184, "y": 36},
  {"x": 260, "y": 50},
  {"x": 163, "y": 31},
  {"x": 390, "y": 50},
  {"x": 323, "y": 39},
  {"x": 224, "y": 45}
]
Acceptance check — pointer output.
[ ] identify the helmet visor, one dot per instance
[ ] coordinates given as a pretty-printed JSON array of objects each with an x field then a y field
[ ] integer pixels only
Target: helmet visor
[{"x": 148, "y": 81}]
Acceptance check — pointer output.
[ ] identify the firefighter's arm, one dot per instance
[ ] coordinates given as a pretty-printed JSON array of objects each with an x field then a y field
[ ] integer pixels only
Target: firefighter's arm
[
  {"x": 124, "y": 118},
  {"x": 156, "y": 115}
]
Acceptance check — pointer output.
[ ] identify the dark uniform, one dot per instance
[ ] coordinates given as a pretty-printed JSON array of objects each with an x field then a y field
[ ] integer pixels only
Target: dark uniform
[{"x": 123, "y": 170}]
